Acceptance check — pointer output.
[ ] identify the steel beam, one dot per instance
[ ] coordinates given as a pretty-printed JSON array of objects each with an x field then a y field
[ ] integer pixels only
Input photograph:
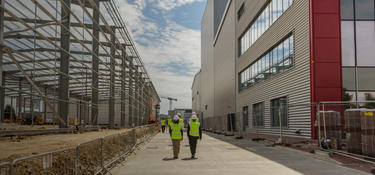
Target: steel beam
[
  {"x": 2, "y": 79},
  {"x": 123, "y": 87},
  {"x": 95, "y": 66},
  {"x": 131, "y": 93},
  {"x": 111, "y": 102},
  {"x": 63, "y": 93}
]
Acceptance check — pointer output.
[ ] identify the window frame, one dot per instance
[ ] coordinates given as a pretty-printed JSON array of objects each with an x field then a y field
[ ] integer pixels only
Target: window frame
[
  {"x": 272, "y": 112},
  {"x": 258, "y": 116}
]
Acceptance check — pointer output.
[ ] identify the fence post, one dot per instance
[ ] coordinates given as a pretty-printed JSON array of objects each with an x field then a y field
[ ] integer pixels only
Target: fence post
[
  {"x": 76, "y": 161},
  {"x": 101, "y": 152},
  {"x": 134, "y": 136},
  {"x": 318, "y": 119}
]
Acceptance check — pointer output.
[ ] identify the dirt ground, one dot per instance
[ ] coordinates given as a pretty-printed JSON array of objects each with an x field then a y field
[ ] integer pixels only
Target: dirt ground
[{"x": 11, "y": 148}]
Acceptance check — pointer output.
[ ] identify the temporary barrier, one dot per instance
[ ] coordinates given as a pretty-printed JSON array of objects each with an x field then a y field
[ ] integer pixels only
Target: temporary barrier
[{"x": 92, "y": 157}]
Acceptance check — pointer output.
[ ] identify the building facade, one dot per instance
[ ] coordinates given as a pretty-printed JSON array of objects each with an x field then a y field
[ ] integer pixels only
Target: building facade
[{"x": 273, "y": 60}]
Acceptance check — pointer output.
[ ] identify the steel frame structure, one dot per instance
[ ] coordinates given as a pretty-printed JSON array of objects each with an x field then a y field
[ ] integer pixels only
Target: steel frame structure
[{"x": 71, "y": 52}]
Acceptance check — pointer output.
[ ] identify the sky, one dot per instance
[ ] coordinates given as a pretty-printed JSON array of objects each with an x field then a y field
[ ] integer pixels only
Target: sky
[{"x": 167, "y": 36}]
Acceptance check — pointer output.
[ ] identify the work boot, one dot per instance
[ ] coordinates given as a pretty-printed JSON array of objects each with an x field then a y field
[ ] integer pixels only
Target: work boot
[
  {"x": 193, "y": 156},
  {"x": 176, "y": 157}
]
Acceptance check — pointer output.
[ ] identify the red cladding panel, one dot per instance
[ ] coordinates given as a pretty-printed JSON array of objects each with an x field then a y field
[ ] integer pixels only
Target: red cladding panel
[
  {"x": 327, "y": 50},
  {"x": 326, "y": 6},
  {"x": 325, "y": 53},
  {"x": 326, "y": 25},
  {"x": 327, "y": 76}
]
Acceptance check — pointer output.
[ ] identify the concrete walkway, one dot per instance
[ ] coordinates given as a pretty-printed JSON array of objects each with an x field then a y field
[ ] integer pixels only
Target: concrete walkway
[{"x": 217, "y": 157}]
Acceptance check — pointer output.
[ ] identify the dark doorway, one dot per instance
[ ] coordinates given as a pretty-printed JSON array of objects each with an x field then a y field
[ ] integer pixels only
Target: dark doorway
[{"x": 231, "y": 122}]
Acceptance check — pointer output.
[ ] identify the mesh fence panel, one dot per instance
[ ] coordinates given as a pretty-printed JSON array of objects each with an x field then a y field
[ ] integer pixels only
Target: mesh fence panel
[
  {"x": 89, "y": 157},
  {"x": 57, "y": 162}
]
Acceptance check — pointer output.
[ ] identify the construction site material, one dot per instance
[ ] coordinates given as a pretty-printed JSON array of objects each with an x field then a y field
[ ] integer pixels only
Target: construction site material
[
  {"x": 330, "y": 127},
  {"x": 368, "y": 132},
  {"x": 353, "y": 130}
]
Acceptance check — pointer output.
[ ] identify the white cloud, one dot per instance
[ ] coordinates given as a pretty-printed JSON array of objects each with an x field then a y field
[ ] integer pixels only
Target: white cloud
[
  {"x": 159, "y": 46},
  {"x": 171, "y": 4}
]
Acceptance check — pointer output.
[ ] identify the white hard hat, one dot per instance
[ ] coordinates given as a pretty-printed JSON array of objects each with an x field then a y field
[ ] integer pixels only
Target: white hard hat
[
  {"x": 194, "y": 113},
  {"x": 175, "y": 117},
  {"x": 179, "y": 114},
  {"x": 194, "y": 117}
]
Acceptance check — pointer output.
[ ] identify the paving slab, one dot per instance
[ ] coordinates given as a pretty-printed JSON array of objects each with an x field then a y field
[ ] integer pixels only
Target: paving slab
[{"x": 220, "y": 155}]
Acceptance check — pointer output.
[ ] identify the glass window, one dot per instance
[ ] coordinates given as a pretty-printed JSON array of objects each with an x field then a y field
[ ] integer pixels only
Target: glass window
[
  {"x": 291, "y": 45},
  {"x": 245, "y": 114},
  {"x": 347, "y": 43},
  {"x": 364, "y": 9},
  {"x": 285, "y": 5},
  {"x": 366, "y": 79},
  {"x": 258, "y": 114},
  {"x": 279, "y": 110},
  {"x": 274, "y": 10},
  {"x": 267, "y": 58},
  {"x": 277, "y": 60},
  {"x": 280, "y": 58},
  {"x": 348, "y": 78},
  {"x": 286, "y": 48},
  {"x": 279, "y": 8},
  {"x": 365, "y": 43},
  {"x": 347, "y": 9}
]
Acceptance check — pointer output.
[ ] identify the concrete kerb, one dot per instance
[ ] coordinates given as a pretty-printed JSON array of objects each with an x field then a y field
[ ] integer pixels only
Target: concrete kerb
[{"x": 47, "y": 158}]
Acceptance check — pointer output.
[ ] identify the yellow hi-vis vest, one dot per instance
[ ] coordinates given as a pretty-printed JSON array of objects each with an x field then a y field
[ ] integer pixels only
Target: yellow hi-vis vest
[
  {"x": 162, "y": 122},
  {"x": 194, "y": 128},
  {"x": 169, "y": 122},
  {"x": 176, "y": 131},
  {"x": 181, "y": 122}
]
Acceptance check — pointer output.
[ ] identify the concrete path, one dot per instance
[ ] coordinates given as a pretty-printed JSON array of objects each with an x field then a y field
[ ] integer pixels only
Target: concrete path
[{"x": 218, "y": 157}]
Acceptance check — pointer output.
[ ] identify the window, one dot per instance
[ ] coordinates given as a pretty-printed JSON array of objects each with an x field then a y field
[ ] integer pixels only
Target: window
[
  {"x": 366, "y": 79},
  {"x": 347, "y": 9},
  {"x": 258, "y": 114},
  {"x": 365, "y": 43},
  {"x": 240, "y": 12},
  {"x": 260, "y": 25},
  {"x": 278, "y": 60},
  {"x": 245, "y": 114},
  {"x": 279, "y": 109},
  {"x": 348, "y": 78},
  {"x": 364, "y": 9}
]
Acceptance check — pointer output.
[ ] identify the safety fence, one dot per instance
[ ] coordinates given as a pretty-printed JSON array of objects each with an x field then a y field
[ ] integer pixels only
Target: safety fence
[
  {"x": 348, "y": 127},
  {"x": 92, "y": 157}
]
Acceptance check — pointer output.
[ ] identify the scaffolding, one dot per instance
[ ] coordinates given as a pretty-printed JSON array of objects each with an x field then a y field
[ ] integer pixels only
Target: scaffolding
[{"x": 64, "y": 59}]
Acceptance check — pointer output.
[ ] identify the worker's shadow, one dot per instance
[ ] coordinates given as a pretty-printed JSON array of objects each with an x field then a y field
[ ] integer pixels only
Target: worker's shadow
[
  {"x": 189, "y": 158},
  {"x": 168, "y": 158}
]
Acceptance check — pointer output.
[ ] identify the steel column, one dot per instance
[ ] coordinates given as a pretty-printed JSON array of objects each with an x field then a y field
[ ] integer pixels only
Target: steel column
[
  {"x": 64, "y": 64},
  {"x": 2, "y": 79},
  {"x": 131, "y": 95},
  {"x": 95, "y": 66},
  {"x": 123, "y": 87},
  {"x": 111, "y": 102}
]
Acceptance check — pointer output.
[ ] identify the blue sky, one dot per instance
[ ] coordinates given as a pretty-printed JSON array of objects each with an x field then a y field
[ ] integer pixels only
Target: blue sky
[{"x": 167, "y": 35}]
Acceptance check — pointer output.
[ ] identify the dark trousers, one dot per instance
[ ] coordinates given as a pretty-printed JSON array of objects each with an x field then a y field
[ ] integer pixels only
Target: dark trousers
[
  {"x": 163, "y": 128},
  {"x": 193, "y": 144}
]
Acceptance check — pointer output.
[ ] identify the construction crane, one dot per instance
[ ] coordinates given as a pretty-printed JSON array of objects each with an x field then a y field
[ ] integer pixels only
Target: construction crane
[{"x": 170, "y": 101}]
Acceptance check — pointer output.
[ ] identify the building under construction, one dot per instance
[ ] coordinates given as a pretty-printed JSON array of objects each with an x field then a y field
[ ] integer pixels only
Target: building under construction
[{"x": 71, "y": 59}]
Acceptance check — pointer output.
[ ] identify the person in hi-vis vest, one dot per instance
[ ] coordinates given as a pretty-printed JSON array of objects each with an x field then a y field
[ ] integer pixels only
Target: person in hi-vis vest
[
  {"x": 162, "y": 121},
  {"x": 194, "y": 133},
  {"x": 176, "y": 133}
]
